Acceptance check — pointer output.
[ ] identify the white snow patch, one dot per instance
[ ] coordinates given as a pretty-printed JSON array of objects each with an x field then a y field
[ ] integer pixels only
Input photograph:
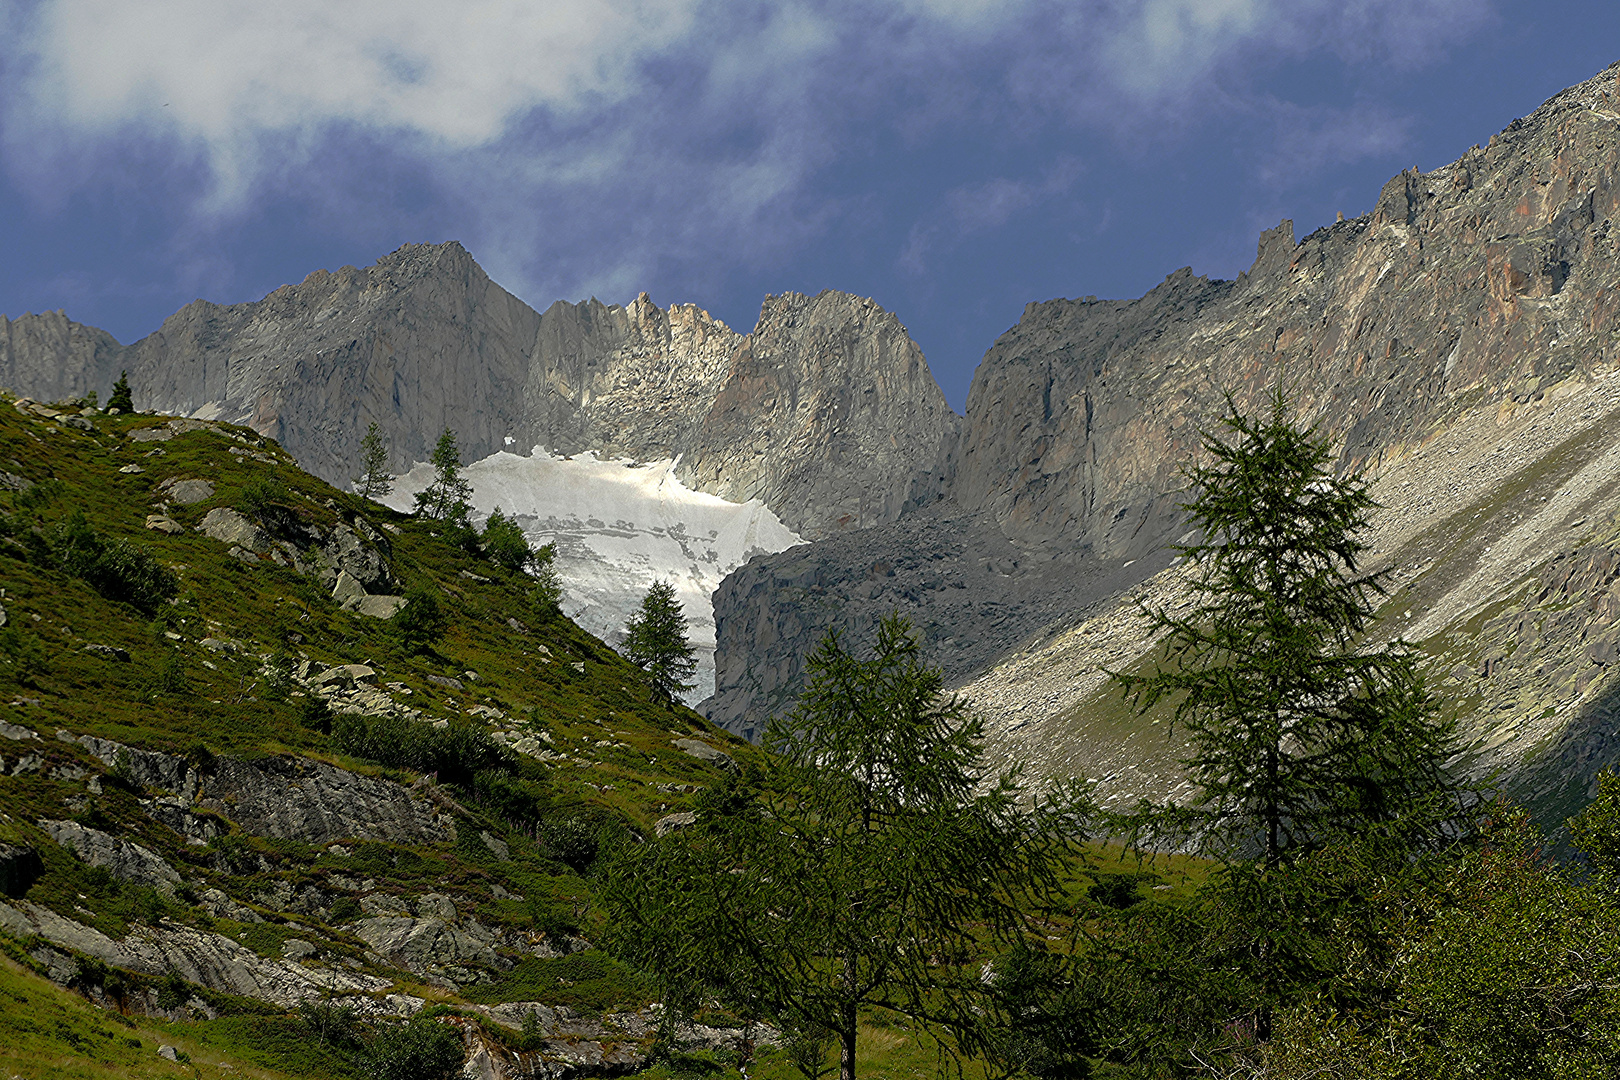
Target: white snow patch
[{"x": 618, "y": 526}]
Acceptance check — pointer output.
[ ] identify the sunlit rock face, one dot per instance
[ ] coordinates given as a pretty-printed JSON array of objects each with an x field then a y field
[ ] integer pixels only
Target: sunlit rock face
[{"x": 618, "y": 526}]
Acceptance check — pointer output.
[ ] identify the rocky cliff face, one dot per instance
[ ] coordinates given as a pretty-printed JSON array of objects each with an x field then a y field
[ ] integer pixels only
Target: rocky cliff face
[
  {"x": 52, "y": 357},
  {"x": 827, "y": 412},
  {"x": 1466, "y": 296}
]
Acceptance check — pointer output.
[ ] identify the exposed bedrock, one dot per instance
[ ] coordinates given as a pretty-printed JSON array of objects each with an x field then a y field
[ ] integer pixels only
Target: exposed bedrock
[
  {"x": 971, "y": 594},
  {"x": 1469, "y": 289}
]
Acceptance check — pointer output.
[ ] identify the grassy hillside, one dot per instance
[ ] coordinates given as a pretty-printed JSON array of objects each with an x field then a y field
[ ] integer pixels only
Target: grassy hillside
[{"x": 165, "y": 639}]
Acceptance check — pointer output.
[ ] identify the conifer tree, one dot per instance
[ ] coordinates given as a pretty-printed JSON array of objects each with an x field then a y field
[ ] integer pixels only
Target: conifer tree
[
  {"x": 121, "y": 398},
  {"x": 1299, "y": 728},
  {"x": 870, "y": 863},
  {"x": 374, "y": 480},
  {"x": 655, "y": 640},
  {"x": 446, "y": 498}
]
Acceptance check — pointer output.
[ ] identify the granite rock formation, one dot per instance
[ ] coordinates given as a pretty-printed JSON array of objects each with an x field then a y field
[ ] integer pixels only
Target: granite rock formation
[{"x": 827, "y": 412}]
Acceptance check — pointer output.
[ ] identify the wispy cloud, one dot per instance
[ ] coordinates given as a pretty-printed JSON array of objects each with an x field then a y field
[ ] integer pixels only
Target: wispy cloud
[{"x": 579, "y": 144}]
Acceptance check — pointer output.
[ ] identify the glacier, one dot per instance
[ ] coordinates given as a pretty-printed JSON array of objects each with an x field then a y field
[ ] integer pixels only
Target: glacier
[{"x": 619, "y": 525}]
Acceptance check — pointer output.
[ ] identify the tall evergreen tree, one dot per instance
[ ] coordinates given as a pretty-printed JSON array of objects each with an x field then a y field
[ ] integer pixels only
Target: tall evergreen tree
[
  {"x": 121, "y": 398},
  {"x": 446, "y": 498},
  {"x": 655, "y": 640},
  {"x": 1299, "y": 728},
  {"x": 871, "y": 864},
  {"x": 374, "y": 480}
]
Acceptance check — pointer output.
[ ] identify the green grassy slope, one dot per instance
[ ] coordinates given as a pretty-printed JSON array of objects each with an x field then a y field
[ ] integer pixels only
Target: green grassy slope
[{"x": 207, "y": 678}]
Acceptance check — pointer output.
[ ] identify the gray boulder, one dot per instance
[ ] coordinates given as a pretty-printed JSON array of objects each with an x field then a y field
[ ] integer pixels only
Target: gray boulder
[
  {"x": 186, "y": 491},
  {"x": 704, "y": 752},
  {"x": 427, "y": 946},
  {"x": 124, "y": 860},
  {"x": 228, "y": 527}
]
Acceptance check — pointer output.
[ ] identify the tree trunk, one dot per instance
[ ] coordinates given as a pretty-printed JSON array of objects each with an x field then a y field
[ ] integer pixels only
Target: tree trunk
[
  {"x": 846, "y": 1044},
  {"x": 846, "y": 1033}
]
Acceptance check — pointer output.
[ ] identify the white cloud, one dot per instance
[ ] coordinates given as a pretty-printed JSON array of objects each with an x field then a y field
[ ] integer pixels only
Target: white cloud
[{"x": 575, "y": 144}]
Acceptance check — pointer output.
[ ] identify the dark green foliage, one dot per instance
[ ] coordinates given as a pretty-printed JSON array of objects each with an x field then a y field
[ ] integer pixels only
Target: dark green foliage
[
  {"x": 121, "y": 398},
  {"x": 546, "y": 594},
  {"x": 1116, "y": 890},
  {"x": 421, "y": 622},
  {"x": 1506, "y": 968},
  {"x": 374, "y": 480},
  {"x": 577, "y": 839},
  {"x": 503, "y": 542},
  {"x": 584, "y": 980},
  {"x": 344, "y": 909},
  {"x": 115, "y": 568},
  {"x": 25, "y": 652},
  {"x": 655, "y": 640},
  {"x": 173, "y": 991},
  {"x": 446, "y": 498},
  {"x": 457, "y": 752},
  {"x": 1041, "y": 1035},
  {"x": 328, "y": 1022},
  {"x": 1297, "y": 730},
  {"x": 265, "y": 499},
  {"x": 805, "y": 1044},
  {"x": 869, "y": 866},
  {"x": 419, "y": 1049},
  {"x": 315, "y": 714}
]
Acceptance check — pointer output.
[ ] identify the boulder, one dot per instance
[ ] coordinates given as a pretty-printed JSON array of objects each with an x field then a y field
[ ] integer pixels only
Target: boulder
[
  {"x": 298, "y": 799},
  {"x": 426, "y": 946},
  {"x": 124, "y": 860},
  {"x": 379, "y": 607},
  {"x": 347, "y": 591},
  {"x": 108, "y": 652},
  {"x": 228, "y": 527},
  {"x": 186, "y": 491},
  {"x": 704, "y": 752},
  {"x": 673, "y": 823}
]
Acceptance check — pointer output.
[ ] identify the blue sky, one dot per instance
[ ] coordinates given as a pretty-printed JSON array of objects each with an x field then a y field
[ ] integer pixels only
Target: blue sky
[{"x": 953, "y": 159}]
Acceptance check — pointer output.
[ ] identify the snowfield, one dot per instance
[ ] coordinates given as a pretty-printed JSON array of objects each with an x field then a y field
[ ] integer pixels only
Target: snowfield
[{"x": 618, "y": 526}]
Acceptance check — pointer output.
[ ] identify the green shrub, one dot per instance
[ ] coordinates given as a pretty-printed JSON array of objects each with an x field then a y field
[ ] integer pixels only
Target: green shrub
[
  {"x": 315, "y": 714},
  {"x": 117, "y": 569},
  {"x": 421, "y": 623},
  {"x": 457, "y": 752},
  {"x": 25, "y": 652},
  {"x": 504, "y": 543},
  {"x": 344, "y": 908},
  {"x": 421, "y": 1049},
  {"x": 264, "y": 498},
  {"x": 546, "y": 594}
]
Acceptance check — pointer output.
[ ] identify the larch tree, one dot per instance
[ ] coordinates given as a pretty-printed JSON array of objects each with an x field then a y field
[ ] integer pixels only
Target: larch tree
[
  {"x": 1299, "y": 727},
  {"x": 447, "y": 498},
  {"x": 374, "y": 480},
  {"x": 655, "y": 640},
  {"x": 874, "y": 862}
]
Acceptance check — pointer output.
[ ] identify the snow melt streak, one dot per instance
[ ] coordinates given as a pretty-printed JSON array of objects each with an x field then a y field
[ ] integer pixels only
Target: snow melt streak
[{"x": 619, "y": 526}]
